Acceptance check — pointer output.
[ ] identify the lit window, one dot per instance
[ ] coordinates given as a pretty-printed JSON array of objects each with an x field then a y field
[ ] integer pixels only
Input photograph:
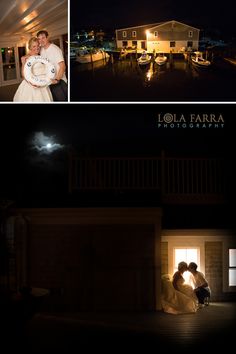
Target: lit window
[
  {"x": 232, "y": 267},
  {"x": 186, "y": 255},
  {"x": 124, "y": 34}
]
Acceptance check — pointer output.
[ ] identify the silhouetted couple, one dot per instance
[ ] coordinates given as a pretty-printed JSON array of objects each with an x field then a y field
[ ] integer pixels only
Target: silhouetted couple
[
  {"x": 200, "y": 285},
  {"x": 179, "y": 297}
]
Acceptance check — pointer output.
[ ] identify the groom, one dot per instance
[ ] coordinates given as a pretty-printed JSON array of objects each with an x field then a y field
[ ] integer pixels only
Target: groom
[{"x": 54, "y": 54}]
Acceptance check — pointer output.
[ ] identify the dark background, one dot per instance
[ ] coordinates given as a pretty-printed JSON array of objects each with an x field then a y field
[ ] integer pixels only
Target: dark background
[
  {"x": 118, "y": 14},
  {"x": 28, "y": 176}
]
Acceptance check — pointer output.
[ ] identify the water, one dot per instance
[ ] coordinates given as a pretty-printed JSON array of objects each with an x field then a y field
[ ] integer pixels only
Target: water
[{"x": 178, "y": 81}]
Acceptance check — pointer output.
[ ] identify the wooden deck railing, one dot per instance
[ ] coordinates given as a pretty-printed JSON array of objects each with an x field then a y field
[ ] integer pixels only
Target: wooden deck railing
[{"x": 198, "y": 178}]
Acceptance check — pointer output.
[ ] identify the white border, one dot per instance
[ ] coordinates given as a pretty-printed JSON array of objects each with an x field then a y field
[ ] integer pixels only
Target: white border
[{"x": 111, "y": 102}]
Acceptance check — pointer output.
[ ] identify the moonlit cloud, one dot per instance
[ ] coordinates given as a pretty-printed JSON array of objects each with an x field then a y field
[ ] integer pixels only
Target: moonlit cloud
[{"x": 45, "y": 144}]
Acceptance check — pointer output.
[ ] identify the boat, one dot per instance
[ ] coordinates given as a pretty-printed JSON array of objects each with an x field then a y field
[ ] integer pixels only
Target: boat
[
  {"x": 91, "y": 56},
  {"x": 161, "y": 58},
  {"x": 231, "y": 60},
  {"x": 123, "y": 54},
  {"x": 144, "y": 59},
  {"x": 198, "y": 60}
]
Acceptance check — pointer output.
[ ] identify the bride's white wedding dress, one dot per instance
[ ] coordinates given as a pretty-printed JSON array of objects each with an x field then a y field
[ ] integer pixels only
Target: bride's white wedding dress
[
  {"x": 177, "y": 302},
  {"x": 28, "y": 93}
]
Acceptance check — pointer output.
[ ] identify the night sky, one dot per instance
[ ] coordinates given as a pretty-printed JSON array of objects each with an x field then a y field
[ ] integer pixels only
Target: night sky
[
  {"x": 103, "y": 130},
  {"x": 118, "y": 14}
]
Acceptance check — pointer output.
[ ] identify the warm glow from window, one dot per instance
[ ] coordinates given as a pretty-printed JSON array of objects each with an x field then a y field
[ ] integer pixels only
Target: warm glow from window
[{"x": 186, "y": 255}]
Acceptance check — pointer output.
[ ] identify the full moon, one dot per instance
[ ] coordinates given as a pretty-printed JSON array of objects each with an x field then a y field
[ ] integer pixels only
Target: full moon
[{"x": 49, "y": 145}]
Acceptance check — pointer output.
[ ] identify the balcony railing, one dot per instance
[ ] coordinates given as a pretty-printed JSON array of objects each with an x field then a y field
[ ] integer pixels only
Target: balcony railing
[{"x": 177, "y": 179}]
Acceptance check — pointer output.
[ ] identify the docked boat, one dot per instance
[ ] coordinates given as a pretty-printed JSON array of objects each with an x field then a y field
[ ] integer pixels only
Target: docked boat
[
  {"x": 91, "y": 56},
  {"x": 123, "y": 54},
  {"x": 144, "y": 59},
  {"x": 231, "y": 60},
  {"x": 198, "y": 60},
  {"x": 161, "y": 58}
]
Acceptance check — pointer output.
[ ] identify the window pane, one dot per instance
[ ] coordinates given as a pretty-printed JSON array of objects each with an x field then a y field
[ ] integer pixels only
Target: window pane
[
  {"x": 186, "y": 255},
  {"x": 180, "y": 256},
  {"x": 9, "y": 72},
  {"x": 8, "y": 55},
  {"x": 192, "y": 255},
  {"x": 232, "y": 277},
  {"x": 232, "y": 257}
]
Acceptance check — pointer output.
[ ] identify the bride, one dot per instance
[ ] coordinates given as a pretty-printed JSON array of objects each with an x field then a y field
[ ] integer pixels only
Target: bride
[
  {"x": 27, "y": 92},
  {"x": 178, "y": 297}
]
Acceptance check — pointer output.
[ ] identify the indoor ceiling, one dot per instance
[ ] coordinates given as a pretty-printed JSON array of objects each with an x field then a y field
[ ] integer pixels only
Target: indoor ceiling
[{"x": 26, "y": 17}]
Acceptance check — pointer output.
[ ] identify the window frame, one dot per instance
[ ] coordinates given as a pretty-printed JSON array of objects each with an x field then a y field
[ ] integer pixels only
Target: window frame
[
  {"x": 189, "y": 42},
  {"x": 185, "y": 242},
  {"x": 226, "y": 268}
]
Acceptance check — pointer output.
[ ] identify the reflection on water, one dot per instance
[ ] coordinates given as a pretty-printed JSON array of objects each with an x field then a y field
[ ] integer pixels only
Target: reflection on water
[
  {"x": 92, "y": 66},
  {"x": 176, "y": 80}
]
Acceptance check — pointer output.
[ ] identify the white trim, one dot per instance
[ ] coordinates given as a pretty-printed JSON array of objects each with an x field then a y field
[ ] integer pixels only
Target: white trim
[{"x": 158, "y": 24}]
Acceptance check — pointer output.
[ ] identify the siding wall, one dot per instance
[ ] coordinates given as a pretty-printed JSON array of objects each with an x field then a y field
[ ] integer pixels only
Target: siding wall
[
  {"x": 214, "y": 268},
  {"x": 95, "y": 259},
  {"x": 171, "y": 31},
  {"x": 94, "y": 268}
]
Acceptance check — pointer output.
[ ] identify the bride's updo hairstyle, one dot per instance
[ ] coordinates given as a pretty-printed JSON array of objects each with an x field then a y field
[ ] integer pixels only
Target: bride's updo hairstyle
[{"x": 182, "y": 266}]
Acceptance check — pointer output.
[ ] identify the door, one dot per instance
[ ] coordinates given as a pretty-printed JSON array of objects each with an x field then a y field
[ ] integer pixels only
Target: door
[{"x": 10, "y": 71}]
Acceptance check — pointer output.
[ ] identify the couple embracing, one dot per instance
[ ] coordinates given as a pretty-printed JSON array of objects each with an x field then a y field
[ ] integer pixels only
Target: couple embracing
[
  {"x": 178, "y": 296},
  {"x": 56, "y": 89}
]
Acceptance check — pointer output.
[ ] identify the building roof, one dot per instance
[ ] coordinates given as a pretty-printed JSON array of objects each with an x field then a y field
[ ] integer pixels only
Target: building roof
[
  {"x": 148, "y": 25},
  {"x": 158, "y": 24},
  {"x": 173, "y": 21}
]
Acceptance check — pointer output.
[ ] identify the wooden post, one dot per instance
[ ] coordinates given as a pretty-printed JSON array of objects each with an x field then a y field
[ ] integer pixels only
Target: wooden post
[
  {"x": 163, "y": 177},
  {"x": 91, "y": 56},
  {"x": 112, "y": 59},
  {"x": 157, "y": 265}
]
